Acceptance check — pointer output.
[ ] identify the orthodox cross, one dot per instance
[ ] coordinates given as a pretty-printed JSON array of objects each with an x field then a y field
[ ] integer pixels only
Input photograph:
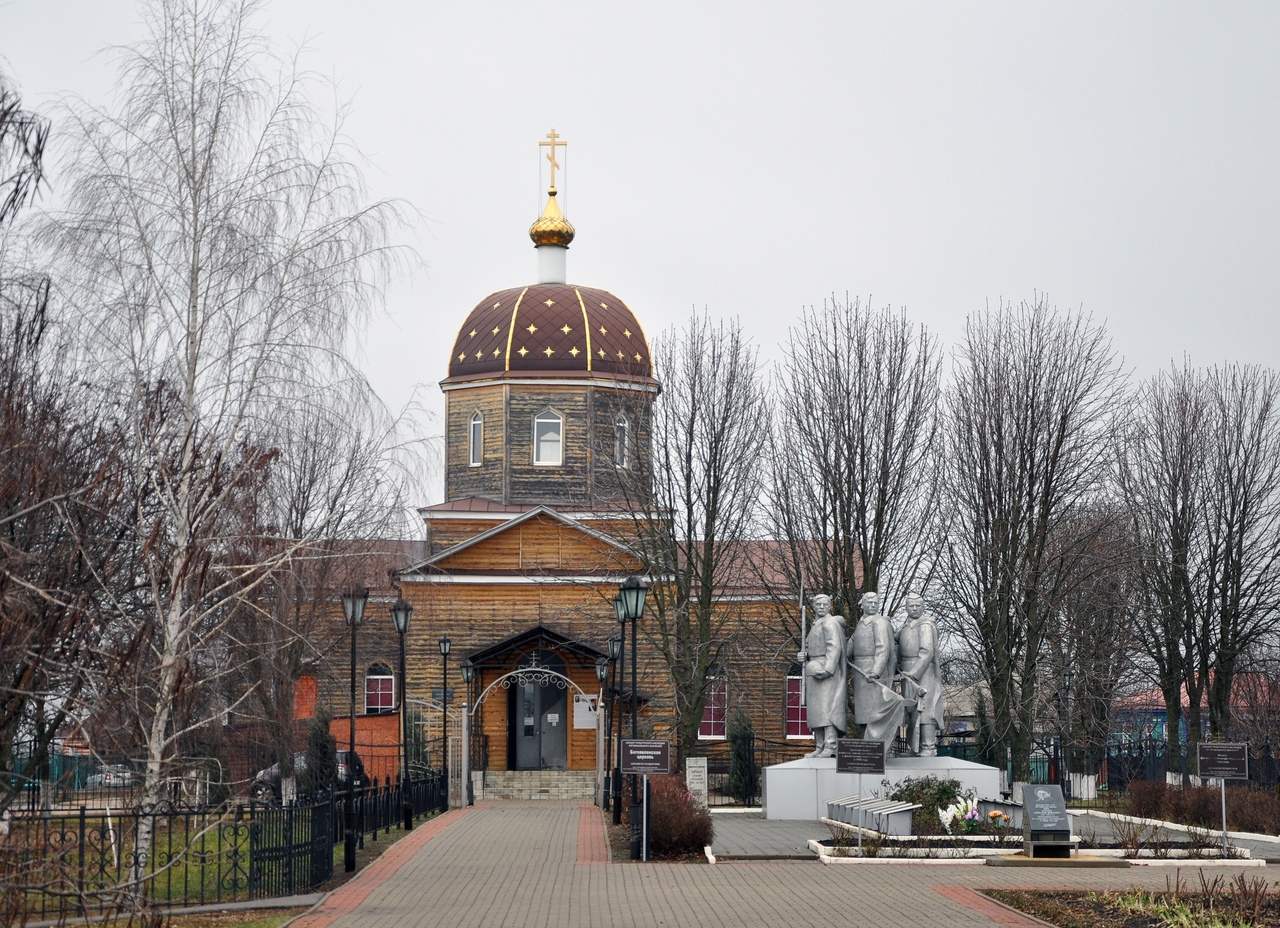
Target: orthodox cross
[{"x": 551, "y": 155}]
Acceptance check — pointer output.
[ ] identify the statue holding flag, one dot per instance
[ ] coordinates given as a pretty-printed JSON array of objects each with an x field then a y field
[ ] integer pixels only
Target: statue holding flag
[{"x": 871, "y": 655}]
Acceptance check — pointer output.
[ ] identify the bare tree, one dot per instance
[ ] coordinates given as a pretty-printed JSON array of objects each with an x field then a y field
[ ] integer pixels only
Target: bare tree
[
  {"x": 856, "y": 448},
  {"x": 698, "y": 500},
  {"x": 218, "y": 245},
  {"x": 23, "y": 135},
  {"x": 1027, "y": 414}
]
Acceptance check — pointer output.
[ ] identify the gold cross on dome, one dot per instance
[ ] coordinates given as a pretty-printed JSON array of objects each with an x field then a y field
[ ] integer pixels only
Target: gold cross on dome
[{"x": 551, "y": 155}]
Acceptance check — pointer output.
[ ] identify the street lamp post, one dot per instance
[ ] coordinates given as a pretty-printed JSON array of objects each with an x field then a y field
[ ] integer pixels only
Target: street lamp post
[
  {"x": 620, "y": 612},
  {"x": 602, "y": 743},
  {"x": 353, "y": 603},
  {"x": 615, "y": 778},
  {"x": 445, "y": 644},
  {"x": 632, "y": 593},
  {"x": 468, "y": 674},
  {"x": 401, "y": 611}
]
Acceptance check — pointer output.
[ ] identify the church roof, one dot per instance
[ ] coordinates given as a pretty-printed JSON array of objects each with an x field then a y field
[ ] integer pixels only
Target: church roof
[{"x": 551, "y": 330}]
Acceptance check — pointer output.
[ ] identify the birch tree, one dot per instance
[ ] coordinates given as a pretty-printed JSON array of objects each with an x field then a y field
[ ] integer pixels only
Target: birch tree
[{"x": 219, "y": 246}]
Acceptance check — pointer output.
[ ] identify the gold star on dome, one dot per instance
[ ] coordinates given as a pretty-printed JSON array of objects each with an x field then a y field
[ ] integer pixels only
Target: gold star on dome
[
  {"x": 548, "y": 351},
  {"x": 495, "y": 352},
  {"x": 626, "y": 333},
  {"x": 497, "y": 329},
  {"x": 566, "y": 329},
  {"x": 498, "y": 305},
  {"x": 531, "y": 328},
  {"x": 548, "y": 302},
  {"x": 574, "y": 351},
  {"x": 600, "y": 352},
  {"x": 604, "y": 305},
  {"x": 473, "y": 333},
  {"x": 603, "y": 330},
  {"x": 479, "y": 355},
  {"x": 621, "y": 356},
  {"x": 523, "y": 351},
  {"x": 462, "y": 357},
  {"x": 637, "y": 356}
]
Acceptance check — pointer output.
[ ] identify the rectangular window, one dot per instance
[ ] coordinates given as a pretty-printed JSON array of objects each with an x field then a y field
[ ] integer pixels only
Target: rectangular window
[
  {"x": 620, "y": 442},
  {"x": 716, "y": 711},
  {"x": 547, "y": 439},
  {"x": 797, "y": 715},
  {"x": 477, "y": 440},
  {"x": 379, "y": 694}
]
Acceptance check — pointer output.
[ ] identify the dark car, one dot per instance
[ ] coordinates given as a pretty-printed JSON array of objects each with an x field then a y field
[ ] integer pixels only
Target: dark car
[{"x": 266, "y": 783}]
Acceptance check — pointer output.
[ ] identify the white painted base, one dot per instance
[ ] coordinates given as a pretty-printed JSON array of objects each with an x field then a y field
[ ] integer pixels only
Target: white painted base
[{"x": 800, "y": 789}]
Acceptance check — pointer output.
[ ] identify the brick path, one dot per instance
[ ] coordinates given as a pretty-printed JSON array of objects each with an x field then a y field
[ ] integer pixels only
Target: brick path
[{"x": 530, "y": 864}]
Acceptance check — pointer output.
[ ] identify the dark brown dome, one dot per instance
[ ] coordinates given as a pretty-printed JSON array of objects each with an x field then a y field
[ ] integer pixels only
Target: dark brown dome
[{"x": 547, "y": 330}]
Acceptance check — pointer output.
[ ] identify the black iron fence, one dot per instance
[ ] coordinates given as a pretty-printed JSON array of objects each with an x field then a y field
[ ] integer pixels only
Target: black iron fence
[{"x": 99, "y": 860}]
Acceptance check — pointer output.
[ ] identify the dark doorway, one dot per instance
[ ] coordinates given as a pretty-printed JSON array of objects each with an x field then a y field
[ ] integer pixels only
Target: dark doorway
[{"x": 537, "y": 723}]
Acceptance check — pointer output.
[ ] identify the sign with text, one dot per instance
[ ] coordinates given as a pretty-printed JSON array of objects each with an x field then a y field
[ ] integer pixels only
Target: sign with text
[
  {"x": 695, "y": 778},
  {"x": 640, "y": 756},
  {"x": 1043, "y": 809},
  {"x": 853, "y": 755},
  {"x": 584, "y": 711},
  {"x": 1223, "y": 761}
]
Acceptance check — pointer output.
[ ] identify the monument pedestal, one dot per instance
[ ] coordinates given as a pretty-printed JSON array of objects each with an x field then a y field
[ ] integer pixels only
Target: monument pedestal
[{"x": 801, "y": 789}]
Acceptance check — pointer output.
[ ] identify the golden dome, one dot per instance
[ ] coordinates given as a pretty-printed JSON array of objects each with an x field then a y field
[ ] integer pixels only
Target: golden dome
[{"x": 551, "y": 228}]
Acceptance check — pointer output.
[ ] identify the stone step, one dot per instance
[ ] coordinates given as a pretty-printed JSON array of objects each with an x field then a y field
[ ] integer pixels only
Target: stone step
[{"x": 535, "y": 784}]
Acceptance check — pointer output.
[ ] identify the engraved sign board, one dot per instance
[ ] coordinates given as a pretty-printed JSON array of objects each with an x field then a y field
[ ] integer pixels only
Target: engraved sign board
[
  {"x": 1043, "y": 811},
  {"x": 695, "y": 778},
  {"x": 642, "y": 756},
  {"x": 853, "y": 755},
  {"x": 1223, "y": 761}
]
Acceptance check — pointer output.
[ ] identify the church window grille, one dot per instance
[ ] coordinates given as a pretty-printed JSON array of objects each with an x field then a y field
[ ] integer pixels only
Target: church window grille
[
  {"x": 797, "y": 714},
  {"x": 716, "y": 711},
  {"x": 379, "y": 690},
  {"x": 548, "y": 439},
  {"x": 477, "y": 440}
]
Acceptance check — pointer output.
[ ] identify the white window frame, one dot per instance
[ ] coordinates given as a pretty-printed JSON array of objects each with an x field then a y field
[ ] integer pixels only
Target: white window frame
[
  {"x": 712, "y": 684},
  {"x": 786, "y": 719},
  {"x": 621, "y": 437},
  {"x": 370, "y": 675},
  {"x": 548, "y": 415},
  {"x": 475, "y": 451}
]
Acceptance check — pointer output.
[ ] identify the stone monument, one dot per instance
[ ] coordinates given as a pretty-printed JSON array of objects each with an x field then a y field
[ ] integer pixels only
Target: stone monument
[
  {"x": 920, "y": 680},
  {"x": 826, "y": 678},
  {"x": 876, "y": 706}
]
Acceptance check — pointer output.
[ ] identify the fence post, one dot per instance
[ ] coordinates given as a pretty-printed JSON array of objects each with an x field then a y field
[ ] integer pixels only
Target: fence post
[{"x": 80, "y": 880}]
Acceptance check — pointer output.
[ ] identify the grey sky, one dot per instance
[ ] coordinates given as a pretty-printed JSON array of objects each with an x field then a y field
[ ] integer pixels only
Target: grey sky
[{"x": 753, "y": 158}]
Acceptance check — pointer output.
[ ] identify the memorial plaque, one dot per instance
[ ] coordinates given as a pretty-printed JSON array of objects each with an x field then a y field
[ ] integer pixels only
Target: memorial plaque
[
  {"x": 1043, "y": 809},
  {"x": 1224, "y": 761},
  {"x": 853, "y": 755},
  {"x": 639, "y": 756},
  {"x": 695, "y": 778},
  {"x": 584, "y": 711}
]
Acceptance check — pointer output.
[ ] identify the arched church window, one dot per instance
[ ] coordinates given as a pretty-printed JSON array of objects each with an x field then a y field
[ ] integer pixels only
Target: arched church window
[
  {"x": 620, "y": 429},
  {"x": 477, "y": 439},
  {"x": 548, "y": 439},
  {"x": 379, "y": 690}
]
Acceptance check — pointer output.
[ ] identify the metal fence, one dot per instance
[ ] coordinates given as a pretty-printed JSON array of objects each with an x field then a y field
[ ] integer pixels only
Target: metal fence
[{"x": 94, "y": 861}]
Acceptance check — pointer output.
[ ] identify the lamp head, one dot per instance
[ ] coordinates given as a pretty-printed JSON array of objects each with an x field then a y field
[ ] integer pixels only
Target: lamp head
[
  {"x": 468, "y": 672},
  {"x": 353, "y": 603},
  {"x": 620, "y": 610},
  {"x": 602, "y": 669},
  {"x": 633, "y": 592},
  {"x": 615, "y": 647},
  {"x": 401, "y": 611},
  {"x": 445, "y": 645}
]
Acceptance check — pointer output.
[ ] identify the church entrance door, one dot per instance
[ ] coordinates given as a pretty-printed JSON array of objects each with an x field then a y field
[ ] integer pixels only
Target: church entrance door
[{"x": 536, "y": 720}]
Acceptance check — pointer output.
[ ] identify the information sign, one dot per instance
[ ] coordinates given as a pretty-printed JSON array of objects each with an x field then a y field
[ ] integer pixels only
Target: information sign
[
  {"x": 853, "y": 755},
  {"x": 695, "y": 778},
  {"x": 1223, "y": 761},
  {"x": 643, "y": 757}
]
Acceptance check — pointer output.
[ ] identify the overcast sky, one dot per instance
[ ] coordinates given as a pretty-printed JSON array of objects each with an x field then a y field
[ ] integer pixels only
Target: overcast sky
[{"x": 753, "y": 158}]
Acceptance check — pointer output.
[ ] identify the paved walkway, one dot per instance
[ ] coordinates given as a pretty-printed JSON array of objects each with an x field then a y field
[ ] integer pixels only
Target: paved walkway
[{"x": 546, "y": 864}]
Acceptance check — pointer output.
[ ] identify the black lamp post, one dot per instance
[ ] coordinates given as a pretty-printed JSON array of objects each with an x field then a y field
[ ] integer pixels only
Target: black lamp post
[
  {"x": 602, "y": 676},
  {"x": 468, "y": 674},
  {"x": 631, "y": 594},
  {"x": 615, "y": 778},
  {"x": 401, "y": 611},
  {"x": 445, "y": 644},
  {"x": 353, "y": 603},
  {"x": 620, "y": 613}
]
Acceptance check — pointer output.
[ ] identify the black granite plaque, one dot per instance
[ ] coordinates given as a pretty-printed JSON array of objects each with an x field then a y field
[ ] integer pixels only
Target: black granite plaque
[
  {"x": 1043, "y": 809},
  {"x": 853, "y": 755}
]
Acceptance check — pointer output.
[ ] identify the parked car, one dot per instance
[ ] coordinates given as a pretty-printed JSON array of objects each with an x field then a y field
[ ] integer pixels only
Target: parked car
[
  {"x": 110, "y": 776},
  {"x": 266, "y": 783}
]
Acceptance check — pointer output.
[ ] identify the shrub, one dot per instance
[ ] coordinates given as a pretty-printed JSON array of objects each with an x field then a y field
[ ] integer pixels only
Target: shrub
[
  {"x": 678, "y": 825},
  {"x": 322, "y": 761},
  {"x": 932, "y": 794},
  {"x": 1146, "y": 798},
  {"x": 1250, "y": 809}
]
